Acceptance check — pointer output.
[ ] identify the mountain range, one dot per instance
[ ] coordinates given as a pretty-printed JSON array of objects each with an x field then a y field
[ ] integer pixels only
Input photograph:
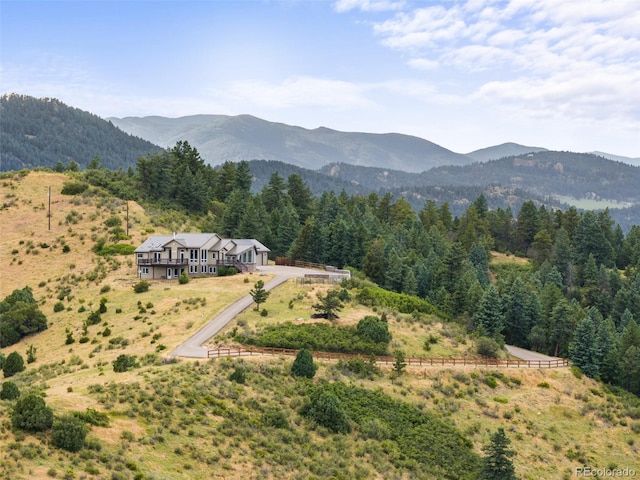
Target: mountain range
[
  {"x": 46, "y": 133},
  {"x": 221, "y": 138}
]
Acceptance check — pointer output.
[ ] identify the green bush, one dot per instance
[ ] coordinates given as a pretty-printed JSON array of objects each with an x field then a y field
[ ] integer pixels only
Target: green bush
[
  {"x": 227, "y": 271},
  {"x": 116, "y": 249},
  {"x": 124, "y": 362},
  {"x": 20, "y": 316},
  {"x": 9, "y": 391},
  {"x": 379, "y": 297},
  {"x": 275, "y": 417},
  {"x": 183, "y": 279},
  {"x": 491, "y": 382},
  {"x": 74, "y": 188},
  {"x": 314, "y": 336},
  {"x": 325, "y": 410},
  {"x": 303, "y": 365},
  {"x": 58, "y": 307},
  {"x": 31, "y": 413},
  {"x": 238, "y": 375},
  {"x": 93, "y": 318},
  {"x": 13, "y": 364},
  {"x": 68, "y": 432},
  {"x": 141, "y": 286},
  {"x": 372, "y": 328},
  {"x": 93, "y": 417},
  {"x": 488, "y": 347},
  {"x": 360, "y": 368}
]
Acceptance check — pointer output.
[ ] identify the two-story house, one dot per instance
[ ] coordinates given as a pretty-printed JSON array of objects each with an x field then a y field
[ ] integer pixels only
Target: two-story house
[{"x": 167, "y": 256}]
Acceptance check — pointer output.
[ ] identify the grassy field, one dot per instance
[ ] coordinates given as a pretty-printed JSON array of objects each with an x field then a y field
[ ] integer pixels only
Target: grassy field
[{"x": 187, "y": 420}]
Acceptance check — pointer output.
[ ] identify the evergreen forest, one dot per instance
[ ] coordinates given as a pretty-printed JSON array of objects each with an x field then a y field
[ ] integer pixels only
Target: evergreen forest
[{"x": 577, "y": 295}]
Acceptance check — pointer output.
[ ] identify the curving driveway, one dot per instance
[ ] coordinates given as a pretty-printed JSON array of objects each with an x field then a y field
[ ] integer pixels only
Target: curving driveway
[
  {"x": 194, "y": 346},
  {"x": 524, "y": 354}
]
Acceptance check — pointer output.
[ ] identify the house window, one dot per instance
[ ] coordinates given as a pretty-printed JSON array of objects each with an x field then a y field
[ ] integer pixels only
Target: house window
[
  {"x": 213, "y": 255},
  {"x": 203, "y": 256},
  {"x": 193, "y": 255},
  {"x": 139, "y": 255},
  {"x": 193, "y": 269},
  {"x": 212, "y": 269},
  {"x": 203, "y": 269},
  {"x": 144, "y": 270}
]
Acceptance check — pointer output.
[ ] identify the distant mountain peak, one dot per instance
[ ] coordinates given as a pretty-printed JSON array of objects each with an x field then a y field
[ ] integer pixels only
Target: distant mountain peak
[
  {"x": 223, "y": 138},
  {"x": 503, "y": 150}
]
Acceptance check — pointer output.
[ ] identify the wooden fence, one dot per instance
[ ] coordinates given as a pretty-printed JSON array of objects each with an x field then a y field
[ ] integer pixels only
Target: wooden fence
[{"x": 387, "y": 360}]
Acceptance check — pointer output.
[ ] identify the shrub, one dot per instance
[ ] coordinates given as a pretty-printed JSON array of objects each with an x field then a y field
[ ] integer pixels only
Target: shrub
[
  {"x": 274, "y": 417},
  {"x": 31, "y": 354},
  {"x": 491, "y": 382},
  {"x": 93, "y": 318},
  {"x": 141, "y": 286},
  {"x": 116, "y": 249},
  {"x": 32, "y": 414},
  {"x": 66, "y": 249},
  {"x": 20, "y": 317},
  {"x": 325, "y": 409},
  {"x": 488, "y": 347},
  {"x": 58, "y": 307},
  {"x": 264, "y": 312},
  {"x": 93, "y": 417},
  {"x": 303, "y": 365},
  {"x": 183, "y": 279},
  {"x": 74, "y": 188},
  {"x": 13, "y": 364},
  {"x": 238, "y": 375},
  {"x": 124, "y": 362},
  {"x": 9, "y": 391},
  {"x": 360, "y": 367},
  {"x": 372, "y": 328},
  {"x": 68, "y": 433}
]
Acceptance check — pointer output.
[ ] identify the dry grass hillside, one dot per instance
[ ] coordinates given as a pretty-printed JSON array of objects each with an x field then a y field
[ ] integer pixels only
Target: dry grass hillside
[{"x": 187, "y": 420}]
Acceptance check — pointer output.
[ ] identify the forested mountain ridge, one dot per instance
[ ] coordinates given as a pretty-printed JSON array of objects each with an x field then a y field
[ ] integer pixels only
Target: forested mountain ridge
[
  {"x": 545, "y": 173},
  {"x": 221, "y": 138},
  {"x": 46, "y": 132},
  {"x": 496, "y": 152}
]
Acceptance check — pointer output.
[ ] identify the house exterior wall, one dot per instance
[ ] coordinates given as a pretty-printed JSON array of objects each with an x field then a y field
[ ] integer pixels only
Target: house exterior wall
[{"x": 195, "y": 256}]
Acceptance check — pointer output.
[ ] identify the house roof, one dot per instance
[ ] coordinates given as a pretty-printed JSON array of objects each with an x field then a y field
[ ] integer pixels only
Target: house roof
[{"x": 156, "y": 243}]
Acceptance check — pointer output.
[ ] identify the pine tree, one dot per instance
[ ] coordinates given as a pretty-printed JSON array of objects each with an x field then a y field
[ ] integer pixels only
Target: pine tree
[
  {"x": 489, "y": 316},
  {"x": 328, "y": 305},
  {"x": 259, "y": 294},
  {"x": 584, "y": 348},
  {"x": 497, "y": 464},
  {"x": 303, "y": 365},
  {"x": 630, "y": 369}
]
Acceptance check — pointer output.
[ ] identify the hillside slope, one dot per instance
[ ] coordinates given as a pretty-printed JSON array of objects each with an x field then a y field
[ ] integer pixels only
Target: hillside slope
[
  {"x": 188, "y": 420},
  {"x": 42, "y": 132}
]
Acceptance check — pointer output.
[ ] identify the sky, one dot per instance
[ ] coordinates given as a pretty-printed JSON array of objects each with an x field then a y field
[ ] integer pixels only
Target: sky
[{"x": 465, "y": 74}]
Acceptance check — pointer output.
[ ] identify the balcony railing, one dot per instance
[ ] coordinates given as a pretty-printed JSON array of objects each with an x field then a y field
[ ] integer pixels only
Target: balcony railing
[{"x": 162, "y": 261}]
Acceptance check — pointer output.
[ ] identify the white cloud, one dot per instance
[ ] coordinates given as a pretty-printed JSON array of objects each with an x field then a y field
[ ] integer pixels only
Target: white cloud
[
  {"x": 368, "y": 5},
  {"x": 576, "y": 59}
]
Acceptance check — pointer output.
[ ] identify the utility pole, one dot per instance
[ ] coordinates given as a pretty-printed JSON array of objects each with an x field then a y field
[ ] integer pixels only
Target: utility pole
[
  {"x": 49, "y": 194},
  {"x": 127, "y": 218}
]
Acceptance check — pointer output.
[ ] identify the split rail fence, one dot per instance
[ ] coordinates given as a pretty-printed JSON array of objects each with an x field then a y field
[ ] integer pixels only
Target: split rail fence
[{"x": 387, "y": 360}]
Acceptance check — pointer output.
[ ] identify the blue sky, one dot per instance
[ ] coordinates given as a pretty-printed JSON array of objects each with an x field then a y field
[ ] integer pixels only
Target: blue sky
[{"x": 464, "y": 74}]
